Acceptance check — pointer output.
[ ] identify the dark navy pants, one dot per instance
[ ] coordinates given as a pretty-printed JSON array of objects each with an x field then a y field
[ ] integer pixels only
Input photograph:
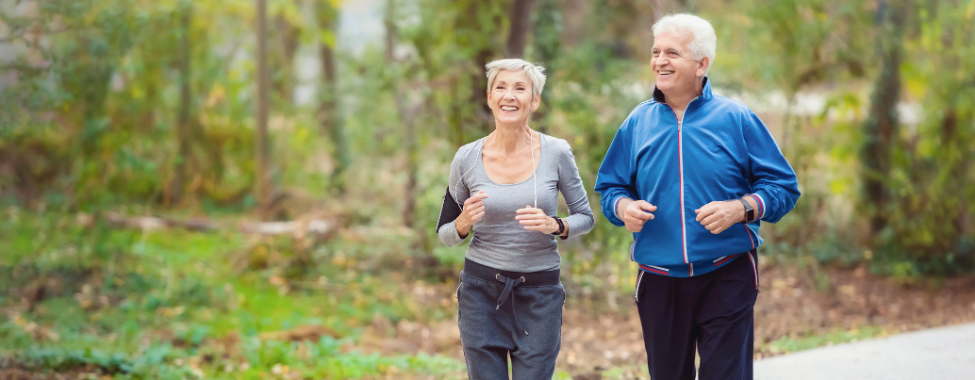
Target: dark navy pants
[
  {"x": 502, "y": 313},
  {"x": 713, "y": 313}
]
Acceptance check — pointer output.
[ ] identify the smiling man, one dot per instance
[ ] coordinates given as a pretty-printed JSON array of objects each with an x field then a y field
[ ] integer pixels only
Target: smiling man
[{"x": 691, "y": 174}]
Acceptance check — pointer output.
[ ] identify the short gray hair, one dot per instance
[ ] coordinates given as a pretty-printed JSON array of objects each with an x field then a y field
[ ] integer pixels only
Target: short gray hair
[
  {"x": 535, "y": 73},
  {"x": 704, "y": 41}
]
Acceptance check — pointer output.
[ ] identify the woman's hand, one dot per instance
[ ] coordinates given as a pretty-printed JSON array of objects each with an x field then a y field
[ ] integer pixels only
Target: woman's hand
[
  {"x": 473, "y": 212},
  {"x": 534, "y": 219}
]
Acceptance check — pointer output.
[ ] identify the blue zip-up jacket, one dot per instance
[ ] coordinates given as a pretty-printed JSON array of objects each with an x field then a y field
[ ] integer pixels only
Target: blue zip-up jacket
[{"x": 720, "y": 151}]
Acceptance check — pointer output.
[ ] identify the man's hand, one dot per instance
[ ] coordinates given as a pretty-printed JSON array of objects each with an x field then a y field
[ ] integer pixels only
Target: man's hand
[
  {"x": 635, "y": 213},
  {"x": 719, "y": 216}
]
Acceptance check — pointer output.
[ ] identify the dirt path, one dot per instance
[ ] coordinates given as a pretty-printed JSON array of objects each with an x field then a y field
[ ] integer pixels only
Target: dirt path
[{"x": 789, "y": 305}]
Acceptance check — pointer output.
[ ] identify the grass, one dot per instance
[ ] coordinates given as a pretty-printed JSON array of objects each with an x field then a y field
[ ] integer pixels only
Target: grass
[
  {"x": 164, "y": 304},
  {"x": 787, "y": 345},
  {"x": 175, "y": 304}
]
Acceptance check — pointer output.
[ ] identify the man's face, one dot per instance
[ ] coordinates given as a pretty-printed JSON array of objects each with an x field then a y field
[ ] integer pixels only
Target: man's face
[{"x": 674, "y": 67}]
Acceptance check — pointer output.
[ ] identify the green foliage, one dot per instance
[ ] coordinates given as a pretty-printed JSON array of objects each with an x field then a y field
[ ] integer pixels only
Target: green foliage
[
  {"x": 161, "y": 313},
  {"x": 89, "y": 127}
]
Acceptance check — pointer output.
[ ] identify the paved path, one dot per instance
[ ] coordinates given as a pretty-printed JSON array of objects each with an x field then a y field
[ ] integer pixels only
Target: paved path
[{"x": 940, "y": 353}]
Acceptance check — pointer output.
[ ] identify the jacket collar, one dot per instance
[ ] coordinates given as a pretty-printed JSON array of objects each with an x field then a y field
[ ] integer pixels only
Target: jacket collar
[{"x": 658, "y": 96}]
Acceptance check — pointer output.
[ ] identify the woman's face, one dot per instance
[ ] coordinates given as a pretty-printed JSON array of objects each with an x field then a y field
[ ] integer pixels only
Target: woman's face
[{"x": 510, "y": 97}]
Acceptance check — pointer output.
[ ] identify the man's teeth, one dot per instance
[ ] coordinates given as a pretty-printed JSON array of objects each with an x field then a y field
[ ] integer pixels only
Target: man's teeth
[
  {"x": 665, "y": 72},
  {"x": 509, "y": 108}
]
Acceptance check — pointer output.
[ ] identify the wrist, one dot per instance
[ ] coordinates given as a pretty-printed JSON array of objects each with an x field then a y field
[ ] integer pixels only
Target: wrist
[
  {"x": 462, "y": 225},
  {"x": 558, "y": 226},
  {"x": 748, "y": 213},
  {"x": 621, "y": 206}
]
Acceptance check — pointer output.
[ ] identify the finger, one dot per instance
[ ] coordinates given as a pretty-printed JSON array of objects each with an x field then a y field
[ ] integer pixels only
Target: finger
[
  {"x": 716, "y": 229},
  {"x": 645, "y": 206},
  {"x": 638, "y": 214},
  {"x": 705, "y": 212},
  {"x": 705, "y": 221},
  {"x": 717, "y": 226}
]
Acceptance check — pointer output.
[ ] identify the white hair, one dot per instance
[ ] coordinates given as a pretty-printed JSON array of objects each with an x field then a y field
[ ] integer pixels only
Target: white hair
[
  {"x": 535, "y": 73},
  {"x": 703, "y": 42}
]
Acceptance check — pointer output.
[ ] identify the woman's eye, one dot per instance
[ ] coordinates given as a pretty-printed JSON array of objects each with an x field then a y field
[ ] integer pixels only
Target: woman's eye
[
  {"x": 500, "y": 87},
  {"x": 521, "y": 89}
]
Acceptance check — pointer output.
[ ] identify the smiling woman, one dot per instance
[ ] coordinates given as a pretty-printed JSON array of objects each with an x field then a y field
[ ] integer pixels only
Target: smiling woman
[{"x": 513, "y": 254}]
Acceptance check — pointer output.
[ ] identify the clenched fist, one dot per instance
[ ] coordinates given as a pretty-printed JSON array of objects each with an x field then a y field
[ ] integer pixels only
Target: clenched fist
[
  {"x": 473, "y": 212},
  {"x": 635, "y": 213}
]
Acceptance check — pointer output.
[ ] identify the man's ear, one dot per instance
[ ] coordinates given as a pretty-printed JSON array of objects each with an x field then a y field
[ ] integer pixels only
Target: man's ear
[{"x": 702, "y": 66}]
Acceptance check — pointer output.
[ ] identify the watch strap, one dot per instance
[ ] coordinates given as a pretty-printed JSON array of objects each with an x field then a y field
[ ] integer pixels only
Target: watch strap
[
  {"x": 749, "y": 211},
  {"x": 561, "y": 226}
]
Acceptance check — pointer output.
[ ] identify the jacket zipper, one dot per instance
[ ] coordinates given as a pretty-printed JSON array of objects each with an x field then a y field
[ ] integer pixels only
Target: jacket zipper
[{"x": 680, "y": 160}]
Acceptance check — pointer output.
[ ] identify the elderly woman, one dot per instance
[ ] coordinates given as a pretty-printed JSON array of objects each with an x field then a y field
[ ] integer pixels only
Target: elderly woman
[{"x": 505, "y": 188}]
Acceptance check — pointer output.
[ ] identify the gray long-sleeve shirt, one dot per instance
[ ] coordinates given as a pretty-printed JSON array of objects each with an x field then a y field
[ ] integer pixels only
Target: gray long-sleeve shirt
[{"x": 499, "y": 240}]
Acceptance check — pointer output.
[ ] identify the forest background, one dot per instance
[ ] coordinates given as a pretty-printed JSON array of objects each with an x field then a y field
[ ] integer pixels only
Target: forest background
[{"x": 248, "y": 189}]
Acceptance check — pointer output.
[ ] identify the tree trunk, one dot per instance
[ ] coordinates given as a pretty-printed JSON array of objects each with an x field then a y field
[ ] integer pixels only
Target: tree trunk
[
  {"x": 481, "y": 117},
  {"x": 329, "y": 113},
  {"x": 546, "y": 45},
  {"x": 881, "y": 127},
  {"x": 520, "y": 17},
  {"x": 183, "y": 132},
  {"x": 574, "y": 12},
  {"x": 262, "y": 180},
  {"x": 283, "y": 57},
  {"x": 408, "y": 117}
]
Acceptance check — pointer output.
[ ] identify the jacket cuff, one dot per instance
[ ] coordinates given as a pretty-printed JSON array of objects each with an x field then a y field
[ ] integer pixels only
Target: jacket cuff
[{"x": 760, "y": 201}]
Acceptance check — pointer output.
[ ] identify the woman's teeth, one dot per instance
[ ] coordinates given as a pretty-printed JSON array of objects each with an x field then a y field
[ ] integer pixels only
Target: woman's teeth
[{"x": 509, "y": 108}]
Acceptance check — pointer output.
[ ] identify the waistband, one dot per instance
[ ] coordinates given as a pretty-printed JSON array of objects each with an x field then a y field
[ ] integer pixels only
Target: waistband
[{"x": 486, "y": 273}]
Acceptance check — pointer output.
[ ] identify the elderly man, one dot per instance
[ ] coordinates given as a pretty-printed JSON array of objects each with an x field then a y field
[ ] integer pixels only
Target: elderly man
[{"x": 692, "y": 174}]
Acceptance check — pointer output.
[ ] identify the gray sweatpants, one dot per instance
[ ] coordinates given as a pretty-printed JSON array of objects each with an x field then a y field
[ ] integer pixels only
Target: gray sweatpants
[{"x": 509, "y": 313}]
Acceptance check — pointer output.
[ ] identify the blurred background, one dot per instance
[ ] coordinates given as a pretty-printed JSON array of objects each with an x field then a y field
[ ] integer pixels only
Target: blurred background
[{"x": 249, "y": 189}]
